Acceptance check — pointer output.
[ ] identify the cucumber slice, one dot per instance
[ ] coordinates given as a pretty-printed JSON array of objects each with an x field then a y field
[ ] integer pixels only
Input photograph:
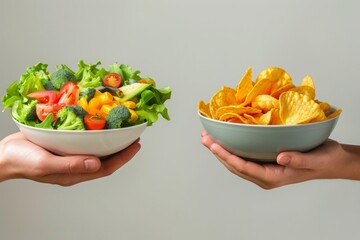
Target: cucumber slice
[{"x": 132, "y": 90}]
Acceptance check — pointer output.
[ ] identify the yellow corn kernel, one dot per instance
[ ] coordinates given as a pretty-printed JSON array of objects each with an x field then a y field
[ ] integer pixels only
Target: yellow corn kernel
[{"x": 133, "y": 116}]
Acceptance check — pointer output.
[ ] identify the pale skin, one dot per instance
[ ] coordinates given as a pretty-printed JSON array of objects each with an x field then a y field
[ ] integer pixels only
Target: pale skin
[
  {"x": 21, "y": 159},
  {"x": 331, "y": 160}
]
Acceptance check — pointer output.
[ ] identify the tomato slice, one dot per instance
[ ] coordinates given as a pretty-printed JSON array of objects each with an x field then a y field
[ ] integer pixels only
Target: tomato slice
[
  {"x": 68, "y": 94},
  {"x": 112, "y": 80},
  {"x": 94, "y": 122},
  {"x": 44, "y": 109},
  {"x": 47, "y": 96}
]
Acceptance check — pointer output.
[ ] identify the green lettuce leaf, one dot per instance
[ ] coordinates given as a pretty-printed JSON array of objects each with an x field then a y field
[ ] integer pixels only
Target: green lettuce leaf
[
  {"x": 89, "y": 75},
  {"x": 151, "y": 104}
]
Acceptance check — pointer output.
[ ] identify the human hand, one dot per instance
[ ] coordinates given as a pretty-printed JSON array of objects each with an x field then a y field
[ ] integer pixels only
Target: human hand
[
  {"x": 20, "y": 158},
  {"x": 330, "y": 160}
]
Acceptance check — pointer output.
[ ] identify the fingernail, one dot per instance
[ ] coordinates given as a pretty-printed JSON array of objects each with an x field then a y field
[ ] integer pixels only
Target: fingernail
[
  {"x": 285, "y": 160},
  {"x": 90, "y": 164}
]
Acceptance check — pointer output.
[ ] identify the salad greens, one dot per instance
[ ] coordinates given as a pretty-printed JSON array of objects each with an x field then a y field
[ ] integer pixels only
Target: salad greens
[{"x": 39, "y": 98}]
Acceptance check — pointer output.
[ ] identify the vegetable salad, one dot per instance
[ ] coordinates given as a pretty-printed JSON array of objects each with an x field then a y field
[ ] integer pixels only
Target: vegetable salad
[{"x": 90, "y": 98}]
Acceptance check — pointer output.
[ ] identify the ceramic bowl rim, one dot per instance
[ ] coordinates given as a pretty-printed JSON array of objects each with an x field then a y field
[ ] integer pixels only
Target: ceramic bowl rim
[
  {"x": 269, "y": 126},
  {"x": 77, "y": 131}
]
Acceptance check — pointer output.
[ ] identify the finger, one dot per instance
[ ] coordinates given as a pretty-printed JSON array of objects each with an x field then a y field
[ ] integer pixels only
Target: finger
[
  {"x": 207, "y": 141},
  {"x": 245, "y": 169},
  {"x": 296, "y": 160},
  {"x": 17, "y": 135},
  {"x": 204, "y": 133},
  {"x": 118, "y": 160},
  {"x": 71, "y": 164},
  {"x": 108, "y": 167}
]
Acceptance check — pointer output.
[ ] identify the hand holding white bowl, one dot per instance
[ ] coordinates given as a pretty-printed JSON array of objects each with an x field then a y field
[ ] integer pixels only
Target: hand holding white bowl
[{"x": 20, "y": 158}]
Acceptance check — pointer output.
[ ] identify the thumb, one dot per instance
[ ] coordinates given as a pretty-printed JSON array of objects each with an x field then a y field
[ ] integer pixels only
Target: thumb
[
  {"x": 295, "y": 160},
  {"x": 73, "y": 164}
]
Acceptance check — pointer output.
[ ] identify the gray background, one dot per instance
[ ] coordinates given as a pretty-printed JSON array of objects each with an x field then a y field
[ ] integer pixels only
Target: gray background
[{"x": 174, "y": 188}]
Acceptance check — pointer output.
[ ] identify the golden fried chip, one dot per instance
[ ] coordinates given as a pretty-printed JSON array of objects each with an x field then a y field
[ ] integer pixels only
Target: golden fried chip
[
  {"x": 236, "y": 109},
  {"x": 272, "y": 100},
  {"x": 263, "y": 86},
  {"x": 336, "y": 113},
  {"x": 265, "y": 118},
  {"x": 275, "y": 117},
  {"x": 265, "y": 102},
  {"x": 224, "y": 97},
  {"x": 250, "y": 119},
  {"x": 296, "y": 108},
  {"x": 308, "y": 81},
  {"x": 204, "y": 108},
  {"x": 306, "y": 90},
  {"x": 324, "y": 106},
  {"x": 244, "y": 86},
  {"x": 233, "y": 117},
  {"x": 276, "y": 94},
  {"x": 320, "y": 117},
  {"x": 278, "y": 76}
]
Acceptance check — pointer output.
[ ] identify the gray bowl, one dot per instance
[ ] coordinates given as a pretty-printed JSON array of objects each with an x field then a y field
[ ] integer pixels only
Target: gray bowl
[{"x": 263, "y": 143}]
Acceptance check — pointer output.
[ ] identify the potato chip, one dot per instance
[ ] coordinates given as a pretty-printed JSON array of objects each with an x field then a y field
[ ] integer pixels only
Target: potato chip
[
  {"x": 250, "y": 119},
  {"x": 244, "y": 86},
  {"x": 264, "y": 119},
  {"x": 320, "y": 117},
  {"x": 305, "y": 90},
  {"x": 233, "y": 117},
  {"x": 204, "y": 109},
  {"x": 296, "y": 108},
  {"x": 278, "y": 76},
  {"x": 263, "y": 86},
  {"x": 275, "y": 117},
  {"x": 336, "y": 113},
  {"x": 276, "y": 94},
  {"x": 224, "y": 97},
  {"x": 236, "y": 109},
  {"x": 272, "y": 99},
  {"x": 324, "y": 106},
  {"x": 308, "y": 81},
  {"x": 265, "y": 102}
]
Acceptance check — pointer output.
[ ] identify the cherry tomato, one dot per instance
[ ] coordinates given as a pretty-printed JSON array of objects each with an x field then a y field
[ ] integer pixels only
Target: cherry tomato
[
  {"x": 146, "y": 81},
  {"x": 44, "y": 109},
  {"x": 112, "y": 80},
  {"x": 68, "y": 94},
  {"x": 47, "y": 96},
  {"x": 94, "y": 122}
]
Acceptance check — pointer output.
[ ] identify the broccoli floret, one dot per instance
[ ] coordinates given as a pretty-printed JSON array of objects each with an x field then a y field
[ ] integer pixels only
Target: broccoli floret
[
  {"x": 49, "y": 85},
  {"x": 87, "y": 92},
  {"x": 70, "y": 118},
  {"x": 29, "y": 111},
  {"x": 24, "y": 112},
  {"x": 60, "y": 77},
  {"x": 79, "y": 111},
  {"x": 117, "y": 117}
]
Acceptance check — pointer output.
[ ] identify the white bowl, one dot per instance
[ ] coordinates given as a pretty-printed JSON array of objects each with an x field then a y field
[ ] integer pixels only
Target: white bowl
[{"x": 88, "y": 142}]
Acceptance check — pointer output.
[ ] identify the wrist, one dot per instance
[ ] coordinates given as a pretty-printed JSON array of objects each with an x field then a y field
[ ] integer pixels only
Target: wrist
[
  {"x": 351, "y": 156},
  {"x": 5, "y": 169}
]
